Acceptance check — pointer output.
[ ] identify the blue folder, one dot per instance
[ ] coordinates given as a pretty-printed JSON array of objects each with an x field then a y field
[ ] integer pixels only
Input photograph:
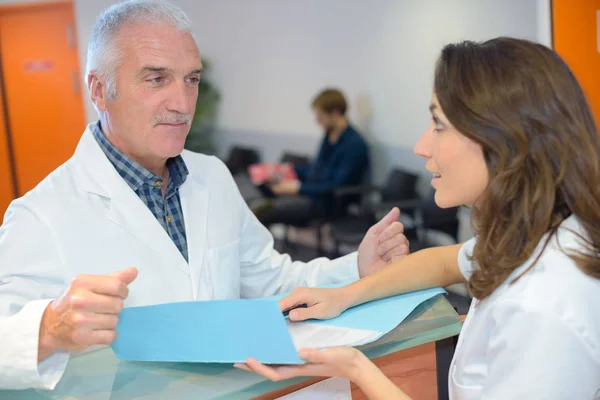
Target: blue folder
[
  {"x": 219, "y": 331},
  {"x": 229, "y": 331}
]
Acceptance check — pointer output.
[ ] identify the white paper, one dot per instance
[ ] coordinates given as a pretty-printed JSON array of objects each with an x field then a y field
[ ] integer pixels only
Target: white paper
[
  {"x": 329, "y": 389},
  {"x": 310, "y": 335}
]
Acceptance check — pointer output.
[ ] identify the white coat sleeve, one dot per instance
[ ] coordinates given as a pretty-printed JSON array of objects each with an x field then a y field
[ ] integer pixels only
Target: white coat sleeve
[
  {"x": 265, "y": 272},
  {"x": 534, "y": 354},
  {"x": 31, "y": 274}
]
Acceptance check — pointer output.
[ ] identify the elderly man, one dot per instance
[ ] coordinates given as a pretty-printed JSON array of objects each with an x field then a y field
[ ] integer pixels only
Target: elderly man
[{"x": 132, "y": 219}]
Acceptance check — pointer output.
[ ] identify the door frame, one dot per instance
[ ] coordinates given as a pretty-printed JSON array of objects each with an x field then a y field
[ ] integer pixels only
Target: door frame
[
  {"x": 5, "y": 9},
  {"x": 27, "y": 6}
]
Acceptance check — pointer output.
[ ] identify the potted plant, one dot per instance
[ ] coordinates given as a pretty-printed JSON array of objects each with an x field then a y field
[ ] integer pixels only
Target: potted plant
[{"x": 200, "y": 138}]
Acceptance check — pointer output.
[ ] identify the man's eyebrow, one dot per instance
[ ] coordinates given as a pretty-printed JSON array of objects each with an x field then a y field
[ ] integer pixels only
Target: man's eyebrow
[{"x": 152, "y": 68}]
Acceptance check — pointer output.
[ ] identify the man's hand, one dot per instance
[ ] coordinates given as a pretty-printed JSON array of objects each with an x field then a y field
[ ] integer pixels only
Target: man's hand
[
  {"x": 86, "y": 315},
  {"x": 286, "y": 188},
  {"x": 383, "y": 244}
]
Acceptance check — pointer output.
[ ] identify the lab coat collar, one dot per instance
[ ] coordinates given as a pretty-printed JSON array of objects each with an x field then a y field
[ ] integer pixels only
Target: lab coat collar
[{"x": 96, "y": 175}]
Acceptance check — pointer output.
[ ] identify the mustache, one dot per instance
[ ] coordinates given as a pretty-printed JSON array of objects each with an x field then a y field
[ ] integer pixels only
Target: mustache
[{"x": 173, "y": 118}]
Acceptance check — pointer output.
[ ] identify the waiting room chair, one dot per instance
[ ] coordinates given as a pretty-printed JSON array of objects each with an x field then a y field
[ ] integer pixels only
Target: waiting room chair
[
  {"x": 430, "y": 225},
  {"x": 240, "y": 158},
  {"x": 344, "y": 198},
  {"x": 398, "y": 188}
]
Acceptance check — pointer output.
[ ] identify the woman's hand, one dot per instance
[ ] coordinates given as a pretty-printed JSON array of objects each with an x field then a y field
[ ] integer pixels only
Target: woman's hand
[
  {"x": 320, "y": 303},
  {"x": 343, "y": 362}
]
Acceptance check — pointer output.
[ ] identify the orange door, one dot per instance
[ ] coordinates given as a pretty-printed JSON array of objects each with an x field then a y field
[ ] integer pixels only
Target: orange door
[
  {"x": 43, "y": 88},
  {"x": 7, "y": 193},
  {"x": 576, "y": 37}
]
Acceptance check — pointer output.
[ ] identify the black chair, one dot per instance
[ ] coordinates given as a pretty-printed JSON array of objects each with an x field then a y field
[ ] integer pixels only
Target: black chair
[
  {"x": 240, "y": 158},
  {"x": 294, "y": 159},
  {"x": 344, "y": 198},
  {"x": 427, "y": 219},
  {"x": 399, "y": 188}
]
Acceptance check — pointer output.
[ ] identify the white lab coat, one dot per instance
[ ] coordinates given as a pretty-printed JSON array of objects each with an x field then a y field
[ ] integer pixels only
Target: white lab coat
[
  {"x": 84, "y": 219},
  {"x": 537, "y": 338}
]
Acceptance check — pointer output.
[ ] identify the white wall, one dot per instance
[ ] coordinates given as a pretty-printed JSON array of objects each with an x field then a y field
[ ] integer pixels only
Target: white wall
[
  {"x": 544, "y": 22},
  {"x": 271, "y": 56}
]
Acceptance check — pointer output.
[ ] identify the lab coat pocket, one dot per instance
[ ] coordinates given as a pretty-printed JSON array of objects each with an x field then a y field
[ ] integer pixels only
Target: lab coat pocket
[
  {"x": 462, "y": 391},
  {"x": 225, "y": 270}
]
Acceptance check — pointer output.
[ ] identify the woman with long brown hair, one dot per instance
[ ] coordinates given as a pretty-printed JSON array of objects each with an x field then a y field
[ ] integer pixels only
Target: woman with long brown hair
[{"x": 513, "y": 137}]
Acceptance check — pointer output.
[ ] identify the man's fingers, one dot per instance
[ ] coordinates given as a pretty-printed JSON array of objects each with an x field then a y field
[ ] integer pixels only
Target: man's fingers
[
  {"x": 401, "y": 252},
  {"x": 109, "y": 285},
  {"x": 397, "y": 254},
  {"x": 390, "y": 245},
  {"x": 101, "y": 284},
  {"x": 392, "y": 216},
  {"x": 395, "y": 229},
  {"x": 89, "y": 337},
  {"x": 126, "y": 276},
  {"x": 96, "y": 303},
  {"x": 93, "y": 321},
  {"x": 104, "y": 336}
]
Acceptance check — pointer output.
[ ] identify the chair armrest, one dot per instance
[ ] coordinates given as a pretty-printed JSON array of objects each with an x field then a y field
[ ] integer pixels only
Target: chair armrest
[
  {"x": 406, "y": 204},
  {"x": 363, "y": 191},
  {"x": 355, "y": 189}
]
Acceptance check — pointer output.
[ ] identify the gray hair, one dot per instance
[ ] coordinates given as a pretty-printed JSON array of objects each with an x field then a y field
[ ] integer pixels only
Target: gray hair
[{"x": 103, "y": 53}]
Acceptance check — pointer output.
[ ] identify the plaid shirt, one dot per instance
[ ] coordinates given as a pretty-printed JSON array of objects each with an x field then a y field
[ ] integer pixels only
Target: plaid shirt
[{"x": 148, "y": 187}]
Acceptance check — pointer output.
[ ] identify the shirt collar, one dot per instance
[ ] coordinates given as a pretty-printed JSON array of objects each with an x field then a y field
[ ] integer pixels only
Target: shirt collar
[
  {"x": 342, "y": 137},
  {"x": 133, "y": 173}
]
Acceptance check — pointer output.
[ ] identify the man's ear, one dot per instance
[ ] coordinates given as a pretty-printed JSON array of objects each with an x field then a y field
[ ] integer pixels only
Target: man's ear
[{"x": 97, "y": 88}]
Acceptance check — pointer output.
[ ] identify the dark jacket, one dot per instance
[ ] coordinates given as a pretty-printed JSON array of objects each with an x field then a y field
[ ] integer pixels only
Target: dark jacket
[{"x": 343, "y": 163}]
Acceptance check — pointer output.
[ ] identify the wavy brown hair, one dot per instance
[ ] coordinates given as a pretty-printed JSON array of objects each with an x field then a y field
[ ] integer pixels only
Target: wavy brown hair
[{"x": 520, "y": 101}]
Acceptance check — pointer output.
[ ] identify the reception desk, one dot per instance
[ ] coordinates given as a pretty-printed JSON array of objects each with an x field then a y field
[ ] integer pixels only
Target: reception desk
[{"x": 99, "y": 375}]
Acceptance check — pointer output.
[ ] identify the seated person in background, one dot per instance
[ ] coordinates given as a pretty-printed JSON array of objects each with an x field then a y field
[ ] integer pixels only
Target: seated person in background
[{"x": 342, "y": 160}]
